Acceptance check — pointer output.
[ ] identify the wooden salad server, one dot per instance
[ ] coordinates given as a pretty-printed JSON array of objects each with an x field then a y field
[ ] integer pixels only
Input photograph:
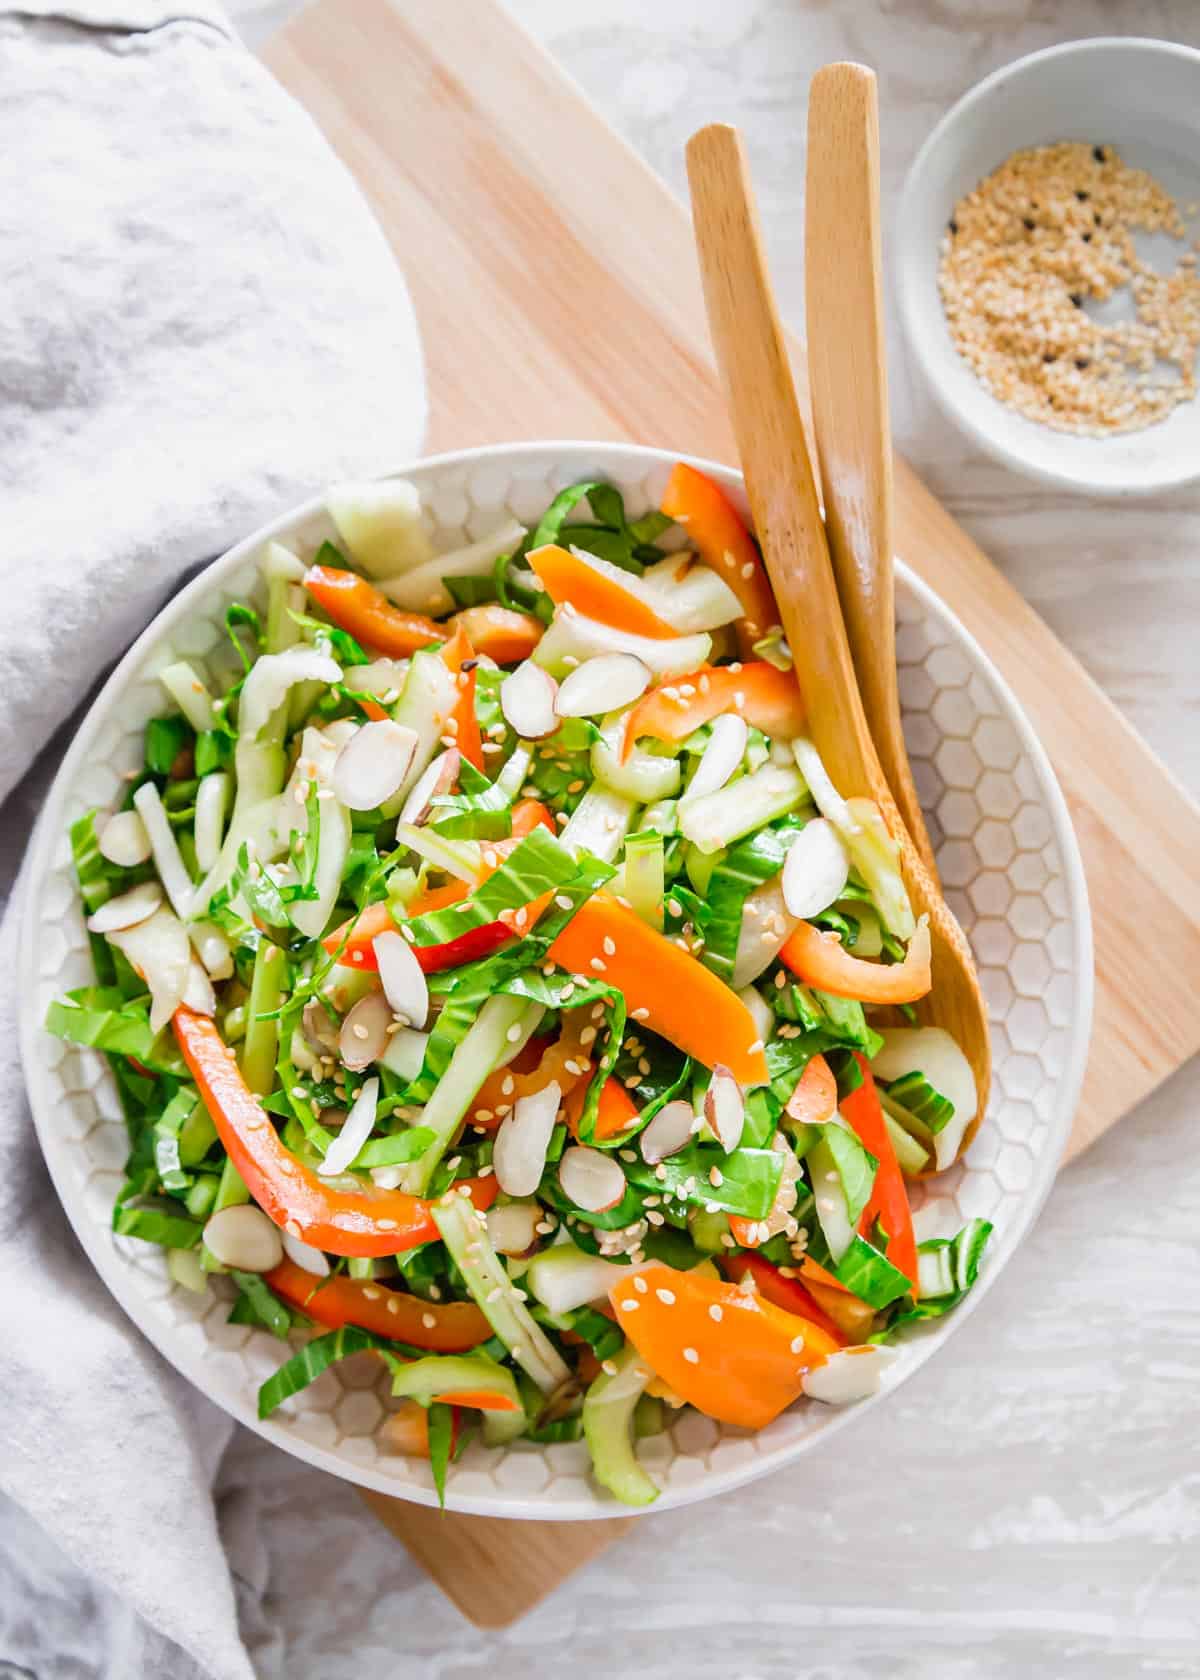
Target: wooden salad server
[
  {"x": 847, "y": 369},
  {"x": 761, "y": 396}
]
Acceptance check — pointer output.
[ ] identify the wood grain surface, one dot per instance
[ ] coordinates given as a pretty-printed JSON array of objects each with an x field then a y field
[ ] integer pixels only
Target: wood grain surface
[{"x": 556, "y": 284}]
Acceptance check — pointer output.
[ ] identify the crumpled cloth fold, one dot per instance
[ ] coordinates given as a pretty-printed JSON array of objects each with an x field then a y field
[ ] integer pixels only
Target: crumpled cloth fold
[{"x": 202, "y": 325}]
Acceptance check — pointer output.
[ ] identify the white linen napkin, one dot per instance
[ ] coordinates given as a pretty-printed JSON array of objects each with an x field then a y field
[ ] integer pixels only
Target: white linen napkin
[{"x": 202, "y": 324}]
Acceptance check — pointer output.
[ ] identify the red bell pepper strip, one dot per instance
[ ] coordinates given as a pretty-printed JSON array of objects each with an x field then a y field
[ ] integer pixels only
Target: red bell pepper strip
[
  {"x": 334, "y": 1301},
  {"x": 354, "y": 939},
  {"x": 889, "y": 1198},
  {"x": 716, "y": 528},
  {"x": 358, "y": 607},
  {"x": 784, "y": 1292},
  {"x": 365, "y": 1221}
]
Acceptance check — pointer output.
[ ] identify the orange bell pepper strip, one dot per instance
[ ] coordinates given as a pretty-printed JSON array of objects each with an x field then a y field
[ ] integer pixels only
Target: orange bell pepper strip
[
  {"x": 819, "y": 959},
  {"x": 454, "y": 1327},
  {"x": 664, "y": 986},
  {"x": 889, "y": 1198},
  {"x": 855, "y": 1318},
  {"x": 742, "y": 1363},
  {"x": 719, "y": 533},
  {"x": 814, "y": 1101},
  {"x": 366, "y": 613},
  {"x": 573, "y": 580},
  {"x": 463, "y": 724},
  {"x": 495, "y": 1097},
  {"x": 768, "y": 698},
  {"x": 364, "y": 1221},
  {"x": 374, "y": 711},
  {"x": 457, "y": 650},
  {"x": 787, "y": 1293},
  {"x": 616, "y": 1113},
  {"x": 499, "y": 632}
]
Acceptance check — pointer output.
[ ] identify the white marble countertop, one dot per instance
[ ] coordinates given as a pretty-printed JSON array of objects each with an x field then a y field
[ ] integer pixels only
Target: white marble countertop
[{"x": 1030, "y": 1504}]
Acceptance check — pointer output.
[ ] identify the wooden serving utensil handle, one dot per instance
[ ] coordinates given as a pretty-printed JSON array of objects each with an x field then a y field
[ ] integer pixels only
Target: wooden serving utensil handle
[
  {"x": 766, "y": 421},
  {"x": 847, "y": 358},
  {"x": 762, "y": 402}
]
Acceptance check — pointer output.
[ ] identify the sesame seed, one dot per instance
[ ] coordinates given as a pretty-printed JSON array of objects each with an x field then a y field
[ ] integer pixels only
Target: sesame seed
[
  {"x": 640, "y": 1284},
  {"x": 640, "y": 1014},
  {"x": 370, "y": 1294},
  {"x": 484, "y": 1114},
  {"x": 494, "y": 1295},
  {"x": 563, "y": 902},
  {"x": 716, "y": 1177},
  {"x": 393, "y": 1303},
  {"x": 599, "y": 965},
  {"x": 716, "y": 1312},
  {"x": 627, "y": 1154},
  {"x": 513, "y": 1034},
  {"x": 607, "y": 1366},
  {"x": 609, "y": 947},
  {"x": 629, "y": 1306},
  {"x": 655, "y": 1218},
  {"x": 429, "y": 1320},
  {"x": 666, "y": 1296},
  {"x": 692, "y": 1357}
]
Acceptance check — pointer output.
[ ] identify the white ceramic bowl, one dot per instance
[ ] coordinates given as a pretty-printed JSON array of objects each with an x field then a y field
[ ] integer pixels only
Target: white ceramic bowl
[
  {"x": 1012, "y": 872},
  {"x": 1141, "y": 96}
]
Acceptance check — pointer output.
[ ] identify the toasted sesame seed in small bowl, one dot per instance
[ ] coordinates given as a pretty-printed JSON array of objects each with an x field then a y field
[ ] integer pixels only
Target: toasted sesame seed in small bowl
[{"x": 1049, "y": 264}]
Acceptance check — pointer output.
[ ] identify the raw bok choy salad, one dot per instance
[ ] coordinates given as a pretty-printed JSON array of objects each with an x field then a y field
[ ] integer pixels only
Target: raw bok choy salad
[{"x": 492, "y": 979}]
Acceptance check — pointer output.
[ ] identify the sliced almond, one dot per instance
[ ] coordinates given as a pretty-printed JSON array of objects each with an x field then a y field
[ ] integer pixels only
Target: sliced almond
[
  {"x": 364, "y": 1035},
  {"x": 815, "y": 870},
  {"x": 402, "y": 978},
  {"x": 527, "y": 699},
  {"x": 304, "y": 1255},
  {"x": 519, "y": 1155},
  {"x": 244, "y": 1238},
  {"x": 590, "y": 1178},
  {"x": 439, "y": 778},
  {"x": 725, "y": 750},
  {"x": 319, "y": 1029},
  {"x": 668, "y": 1132},
  {"x": 127, "y": 909},
  {"x": 373, "y": 764},
  {"x": 512, "y": 1229},
  {"x": 123, "y": 840},
  {"x": 725, "y": 1108},
  {"x": 600, "y": 685}
]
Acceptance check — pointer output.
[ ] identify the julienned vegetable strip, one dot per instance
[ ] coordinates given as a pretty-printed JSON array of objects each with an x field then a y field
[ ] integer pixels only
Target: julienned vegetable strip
[
  {"x": 768, "y": 698},
  {"x": 889, "y": 1198},
  {"x": 590, "y": 588},
  {"x": 743, "y": 1364},
  {"x": 452, "y": 1327},
  {"x": 360, "y": 609},
  {"x": 664, "y": 986},
  {"x": 714, "y": 525},
  {"x": 820, "y": 959},
  {"x": 365, "y": 1221},
  {"x": 499, "y": 633}
]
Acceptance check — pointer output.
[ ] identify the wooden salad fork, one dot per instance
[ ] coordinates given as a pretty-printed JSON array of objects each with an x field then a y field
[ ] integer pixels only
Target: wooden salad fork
[
  {"x": 847, "y": 370},
  {"x": 761, "y": 395}
]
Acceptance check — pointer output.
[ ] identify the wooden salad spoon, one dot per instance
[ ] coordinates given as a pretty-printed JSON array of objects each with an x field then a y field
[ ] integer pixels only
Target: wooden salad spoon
[
  {"x": 847, "y": 371},
  {"x": 761, "y": 395}
]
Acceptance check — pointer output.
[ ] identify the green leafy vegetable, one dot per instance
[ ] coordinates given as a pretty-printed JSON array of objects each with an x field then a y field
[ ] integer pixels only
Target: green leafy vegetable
[
  {"x": 869, "y": 1274},
  {"x": 749, "y": 1178},
  {"x": 157, "y": 1225},
  {"x": 914, "y": 1093},
  {"x": 315, "y": 1358},
  {"x": 258, "y": 1304},
  {"x": 481, "y": 811},
  {"x": 166, "y": 738}
]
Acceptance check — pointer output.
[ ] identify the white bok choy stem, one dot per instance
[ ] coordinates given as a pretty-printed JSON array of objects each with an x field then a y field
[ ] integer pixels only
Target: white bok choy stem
[
  {"x": 212, "y": 802},
  {"x": 481, "y": 1049},
  {"x": 158, "y": 950},
  {"x": 464, "y": 1233},
  {"x": 422, "y": 589},
  {"x": 182, "y": 682},
  {"x": 380, "y": 523},
  {"x": 168, "y": 860},
  {"x": 258, "y": 760},
  {"x": 318, "y": 755}
]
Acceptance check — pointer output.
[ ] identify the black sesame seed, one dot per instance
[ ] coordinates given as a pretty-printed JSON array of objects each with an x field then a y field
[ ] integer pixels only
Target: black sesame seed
[
  {"x": 1077, "y": 299},
  {"x": 1087, "y": 239},
  {"x": 952, "y": 225},
  {"x": 1100, "y": 154},
  {"x": 1028, "y": 220},
  {"x": 1081, "y": 362},
  {"x": 1049, "y": 358},
  {"x": 1081, "y": 195}
]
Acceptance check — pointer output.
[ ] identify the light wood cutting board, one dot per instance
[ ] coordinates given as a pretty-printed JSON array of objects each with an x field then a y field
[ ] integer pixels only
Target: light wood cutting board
[{"x": 556, "y": 286}]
